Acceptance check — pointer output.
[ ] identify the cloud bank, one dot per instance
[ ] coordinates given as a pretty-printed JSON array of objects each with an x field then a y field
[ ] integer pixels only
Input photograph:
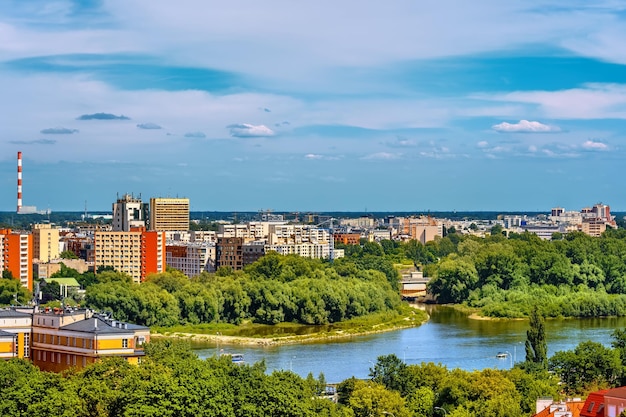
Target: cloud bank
[
  {"x": 102, "y": 116},
  {"x": 198, "y": 135},
  {"x": 245, "y": 130},
  {"x": 34, "y": 142},
  {"x": 148, "y": 126},
  {"x": 525, "y": 126},
  {"x": 58, "y": 131}
]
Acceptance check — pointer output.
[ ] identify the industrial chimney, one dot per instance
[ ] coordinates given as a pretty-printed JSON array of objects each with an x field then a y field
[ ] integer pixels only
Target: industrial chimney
[{"x": 19, "y": 182}]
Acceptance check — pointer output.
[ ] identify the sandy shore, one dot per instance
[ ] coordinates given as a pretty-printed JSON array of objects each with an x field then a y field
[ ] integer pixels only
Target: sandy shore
[{"x": 282, "y": 340}]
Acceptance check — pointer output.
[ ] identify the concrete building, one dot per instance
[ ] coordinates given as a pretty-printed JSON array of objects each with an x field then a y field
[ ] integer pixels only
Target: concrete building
[
  {"x": 16, "y": 255},
  {"x": 128, "y": 212},
  {"x": 169, "y": 214},
  {"x": 44, "y": 269},
  {"x": 136, "y": 253},
  {"x": 229, "y": 253},
  {"x": 306, "y": 250},
  {"x": 253, "y": 251},
  {"x": 191, "y": 258},
  {"x": 45, "y": 242}
]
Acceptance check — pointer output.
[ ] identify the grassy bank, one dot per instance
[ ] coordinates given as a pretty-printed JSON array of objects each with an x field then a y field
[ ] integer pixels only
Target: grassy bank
[{"x": 284, "y": 333}]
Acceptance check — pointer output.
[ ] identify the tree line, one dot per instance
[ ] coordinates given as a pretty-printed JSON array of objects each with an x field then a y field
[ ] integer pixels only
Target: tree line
[{"x": 273, "y": 290}]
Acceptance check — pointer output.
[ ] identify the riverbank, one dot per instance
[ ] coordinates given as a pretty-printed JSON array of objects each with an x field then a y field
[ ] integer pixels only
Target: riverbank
[{"x": 292, "y": 333}]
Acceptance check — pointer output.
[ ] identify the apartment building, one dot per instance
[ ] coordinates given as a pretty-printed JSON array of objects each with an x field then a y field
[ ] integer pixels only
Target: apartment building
[
  {"x": 16, "y": 255},
  {"x": 229, "y": 253},
  {"x": 191, "y": 258},
  {"x": 45, "y": 242},
  {"x": 169, "y": 214},
  {"x": 137, "y": 252},
  {"x": 128, "y": 212}
]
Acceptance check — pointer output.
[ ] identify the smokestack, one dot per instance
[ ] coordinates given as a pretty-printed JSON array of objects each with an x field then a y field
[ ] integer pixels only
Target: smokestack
[{"x": 19, "y": 182}]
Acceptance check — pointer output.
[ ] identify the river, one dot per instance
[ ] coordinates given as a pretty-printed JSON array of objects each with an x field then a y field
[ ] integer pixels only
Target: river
[{"x": 449, "y": 338}]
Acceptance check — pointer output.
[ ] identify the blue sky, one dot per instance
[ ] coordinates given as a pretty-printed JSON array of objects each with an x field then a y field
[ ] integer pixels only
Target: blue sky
[{"x": 353, "y": 105}]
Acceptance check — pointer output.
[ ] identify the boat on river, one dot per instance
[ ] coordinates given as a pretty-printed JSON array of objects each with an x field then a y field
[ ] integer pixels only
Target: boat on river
[
  {"x": 502, "y": 355},
  {"x": 236, "y": 358}
]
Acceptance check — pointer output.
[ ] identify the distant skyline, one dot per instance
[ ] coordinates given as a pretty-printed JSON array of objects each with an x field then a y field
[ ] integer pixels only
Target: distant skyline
[{"x": 318, "y": 106}]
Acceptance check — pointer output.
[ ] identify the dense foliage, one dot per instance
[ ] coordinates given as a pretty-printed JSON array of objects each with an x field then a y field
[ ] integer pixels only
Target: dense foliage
[
  {"x": 577, "y": 276},
  {"x": 273, "y": 290}
]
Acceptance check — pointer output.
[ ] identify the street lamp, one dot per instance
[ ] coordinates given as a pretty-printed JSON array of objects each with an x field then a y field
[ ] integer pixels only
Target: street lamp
[
  {"x": 445, "y": 413},
  {"x": 291, "y": 363},
  {"x": 510, "y": 357}
]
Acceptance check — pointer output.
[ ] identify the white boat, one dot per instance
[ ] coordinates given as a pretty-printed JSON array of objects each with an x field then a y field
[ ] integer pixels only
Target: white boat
[
  {"x": 236, "y": 358},
  {"x": 502, "y": 355}
]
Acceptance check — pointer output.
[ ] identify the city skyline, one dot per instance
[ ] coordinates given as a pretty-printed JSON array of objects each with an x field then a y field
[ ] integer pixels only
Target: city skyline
[{"x": 356, "y": 106}]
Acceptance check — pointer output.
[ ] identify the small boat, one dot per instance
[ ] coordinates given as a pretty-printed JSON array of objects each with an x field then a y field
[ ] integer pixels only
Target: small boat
[
  {"x": 502, "y": 355},
  {"x": 236, "y": 358}
]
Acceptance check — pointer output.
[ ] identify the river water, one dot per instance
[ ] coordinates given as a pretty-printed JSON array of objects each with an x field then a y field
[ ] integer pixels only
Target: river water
[{"x": 449, "y": 338}]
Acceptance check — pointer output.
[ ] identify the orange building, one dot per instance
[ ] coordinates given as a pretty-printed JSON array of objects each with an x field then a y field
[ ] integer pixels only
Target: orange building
[
  {"x": 16, "y": 255},
  {"x": 347, "y": 238},
  {"x": 137, "y": 253}
]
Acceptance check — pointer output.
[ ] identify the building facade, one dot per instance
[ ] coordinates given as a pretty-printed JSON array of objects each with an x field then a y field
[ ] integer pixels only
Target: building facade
[
  {"x": 169, "y": 214},
  {"x": 191, "y": 258},
  {"x": 136, "y": 253},
  {"x": 45, "y": 242},
  {"x": 128, "y": 212},
  {"x": 229, "y": 253},
  {"x": 16, "y": 255}
]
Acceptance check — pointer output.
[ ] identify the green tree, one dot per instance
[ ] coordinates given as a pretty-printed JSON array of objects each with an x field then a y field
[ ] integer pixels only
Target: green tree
[
  {"x": 68, "y": 254},
  {"x": 590, "y": 366},
  {"x": 392, "y": 373},
  {"x": 372, "y": 399},
  {"x": 536, "y": 344}
]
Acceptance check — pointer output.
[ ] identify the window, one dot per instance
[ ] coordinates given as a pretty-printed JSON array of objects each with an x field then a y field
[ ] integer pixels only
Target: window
[
  {"x": 124, "y": 343},
  {"x": 591, "y": 406}
]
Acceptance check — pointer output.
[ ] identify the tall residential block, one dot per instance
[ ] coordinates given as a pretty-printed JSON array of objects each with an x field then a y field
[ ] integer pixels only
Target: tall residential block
[
  {"x": 137, "y": 253},
  {"x": 229, "y": 253},
  {"x": 45, "y": 242},
  {"x": 129, "y": 212},
  {"x": 16, "y": 255},
  {"x": 169, "y": 214}
]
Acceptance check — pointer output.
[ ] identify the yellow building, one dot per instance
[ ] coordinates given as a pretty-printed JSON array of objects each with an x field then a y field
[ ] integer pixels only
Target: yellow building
[
  {"x": 7, "y": 345},
  {"x": 45, "y": 242},
  {"x": 64, "y": 339},
  {"x": 169, "y": 214},
  {"x": 18, "y": 324}
]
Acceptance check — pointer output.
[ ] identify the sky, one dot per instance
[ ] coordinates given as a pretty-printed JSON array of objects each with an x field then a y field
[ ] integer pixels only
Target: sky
[{"x": 314, "y": 106}]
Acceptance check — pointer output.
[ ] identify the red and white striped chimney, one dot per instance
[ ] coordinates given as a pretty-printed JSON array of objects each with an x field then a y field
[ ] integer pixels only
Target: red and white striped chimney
[{"x": 19, "y": 182}]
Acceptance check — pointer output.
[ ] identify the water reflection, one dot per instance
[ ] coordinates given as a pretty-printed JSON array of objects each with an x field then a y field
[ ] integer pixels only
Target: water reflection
[{"x": 449, "y": 338}]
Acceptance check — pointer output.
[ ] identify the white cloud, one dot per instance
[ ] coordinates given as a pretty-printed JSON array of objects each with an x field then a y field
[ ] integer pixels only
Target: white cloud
[
  {"x": 525, "y": 126},
  {"x": 482, "y": 144},
  {"x": 313, "y": 156},
  {"x": 382, "y": 156},
  {"x": 245, "y": 130},
  {"x": 591, "y": 101},
  {"x": 595, "y": 146}
]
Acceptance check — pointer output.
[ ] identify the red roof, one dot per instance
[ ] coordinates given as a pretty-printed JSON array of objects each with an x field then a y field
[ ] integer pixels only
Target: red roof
[
  {"x": 594, "y": 405},
  {"x": 616, "y": 393}
]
